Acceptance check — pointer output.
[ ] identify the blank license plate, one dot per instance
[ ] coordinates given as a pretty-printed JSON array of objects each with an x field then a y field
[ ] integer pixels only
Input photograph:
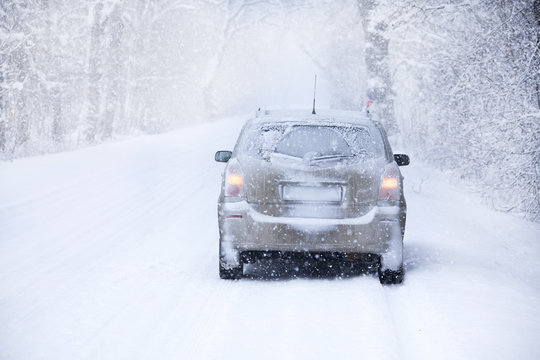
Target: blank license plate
[{"x": 312, "y": 193}]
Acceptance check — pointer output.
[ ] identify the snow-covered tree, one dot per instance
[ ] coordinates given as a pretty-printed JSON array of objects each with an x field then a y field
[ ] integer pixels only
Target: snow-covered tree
[
  {"x": 465, "y": 77},
  {"x": 457, "y": 80}
]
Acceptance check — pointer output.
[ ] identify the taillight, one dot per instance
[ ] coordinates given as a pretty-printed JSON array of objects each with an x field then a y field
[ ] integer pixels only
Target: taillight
[
  {"x": 390, "y": 189},
  {"x": 234, "y": 180}
]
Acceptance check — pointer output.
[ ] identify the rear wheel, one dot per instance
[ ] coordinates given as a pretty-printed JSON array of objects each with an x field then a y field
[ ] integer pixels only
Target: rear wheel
[
  {"x": 233, "y": 273},
  {"x": 229, "y": 272},
  {"x": 391, "y": 277}
]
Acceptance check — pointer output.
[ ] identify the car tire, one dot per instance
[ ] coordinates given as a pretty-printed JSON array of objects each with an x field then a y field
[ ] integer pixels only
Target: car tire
[
  {"x": 391, "y": 277},
  {"x": 233, "y": 273}
]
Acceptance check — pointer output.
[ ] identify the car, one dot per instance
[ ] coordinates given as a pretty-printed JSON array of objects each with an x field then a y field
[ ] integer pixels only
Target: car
[{"x": 303, "y": 183}]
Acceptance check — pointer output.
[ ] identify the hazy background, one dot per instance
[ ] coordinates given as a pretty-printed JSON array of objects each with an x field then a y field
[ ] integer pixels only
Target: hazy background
[{"x": 456, "y": 82}]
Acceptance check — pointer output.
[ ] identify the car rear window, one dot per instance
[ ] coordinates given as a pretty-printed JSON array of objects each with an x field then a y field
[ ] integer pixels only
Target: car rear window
[{"x": 319, "y": 142}]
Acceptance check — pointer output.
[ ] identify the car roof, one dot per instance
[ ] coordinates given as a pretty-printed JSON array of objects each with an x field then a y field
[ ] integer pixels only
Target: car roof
[{"x": 305, "y": 116}]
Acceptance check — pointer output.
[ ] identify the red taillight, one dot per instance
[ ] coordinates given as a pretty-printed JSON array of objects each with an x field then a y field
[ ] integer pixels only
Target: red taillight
[
  {"x": 389, "y": 183},
  {"x": 234, "y": 180},
  {"x": 390, "y": 189}
]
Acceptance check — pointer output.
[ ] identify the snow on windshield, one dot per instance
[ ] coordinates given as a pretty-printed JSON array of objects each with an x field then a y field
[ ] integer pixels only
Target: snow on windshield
[{"x": 317, "y": 142}]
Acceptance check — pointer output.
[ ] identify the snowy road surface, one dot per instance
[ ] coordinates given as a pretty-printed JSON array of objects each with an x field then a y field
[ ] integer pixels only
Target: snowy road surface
[{"x": 110, "y": 252}]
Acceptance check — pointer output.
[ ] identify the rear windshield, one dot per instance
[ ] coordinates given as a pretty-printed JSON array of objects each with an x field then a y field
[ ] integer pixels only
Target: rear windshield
[{"x": 312, "y": 142}]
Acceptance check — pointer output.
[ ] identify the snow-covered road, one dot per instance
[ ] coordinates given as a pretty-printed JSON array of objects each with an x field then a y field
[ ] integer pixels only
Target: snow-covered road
[{"x": 110, "y": 252}]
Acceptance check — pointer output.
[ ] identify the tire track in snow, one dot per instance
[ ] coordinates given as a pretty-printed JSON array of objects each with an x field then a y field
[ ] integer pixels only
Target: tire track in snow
[
  {"x": 294, "y": 318},
  {"x": 88, "y": 248},
  {"x": 115, "y": 218}
]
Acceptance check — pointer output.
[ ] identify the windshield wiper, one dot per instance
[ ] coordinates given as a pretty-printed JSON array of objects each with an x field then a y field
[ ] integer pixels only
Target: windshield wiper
[
  {"x": 332, "y": 157},
  {"x": 284, "y": 156},
  {"x": 311, "y": 158}
]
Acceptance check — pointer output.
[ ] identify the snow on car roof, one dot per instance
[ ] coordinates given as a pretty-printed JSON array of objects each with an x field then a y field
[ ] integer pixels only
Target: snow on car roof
[{"x": 347, "y": 116}]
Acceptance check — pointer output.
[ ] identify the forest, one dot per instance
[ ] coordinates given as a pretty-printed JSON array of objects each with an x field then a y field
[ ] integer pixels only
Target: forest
[{"x": 455, "y": 82}]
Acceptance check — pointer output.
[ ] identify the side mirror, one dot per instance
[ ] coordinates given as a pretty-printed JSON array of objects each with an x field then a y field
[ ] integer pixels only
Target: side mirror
[
  {"x": 401, "y": 159},
  {"x": 223, "y": 156}
]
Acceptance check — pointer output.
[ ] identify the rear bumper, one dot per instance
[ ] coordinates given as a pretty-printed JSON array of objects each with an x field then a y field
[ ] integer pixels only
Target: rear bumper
[{"x": 243, "y": 229}]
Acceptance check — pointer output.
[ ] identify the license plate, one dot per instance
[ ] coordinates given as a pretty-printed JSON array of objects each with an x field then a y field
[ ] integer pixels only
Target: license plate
[{"x": 312, "y": 193}]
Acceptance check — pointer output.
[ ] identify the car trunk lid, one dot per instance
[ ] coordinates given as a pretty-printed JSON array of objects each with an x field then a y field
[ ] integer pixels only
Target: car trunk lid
[{"x": 298, "y": 190}]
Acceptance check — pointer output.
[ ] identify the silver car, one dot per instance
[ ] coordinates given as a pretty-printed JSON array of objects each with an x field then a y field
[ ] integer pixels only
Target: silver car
[{"x": 325, "y": 184}]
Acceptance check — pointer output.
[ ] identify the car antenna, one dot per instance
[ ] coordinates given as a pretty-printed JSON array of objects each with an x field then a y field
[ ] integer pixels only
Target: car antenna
[{"x": 314, "y": 92}]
